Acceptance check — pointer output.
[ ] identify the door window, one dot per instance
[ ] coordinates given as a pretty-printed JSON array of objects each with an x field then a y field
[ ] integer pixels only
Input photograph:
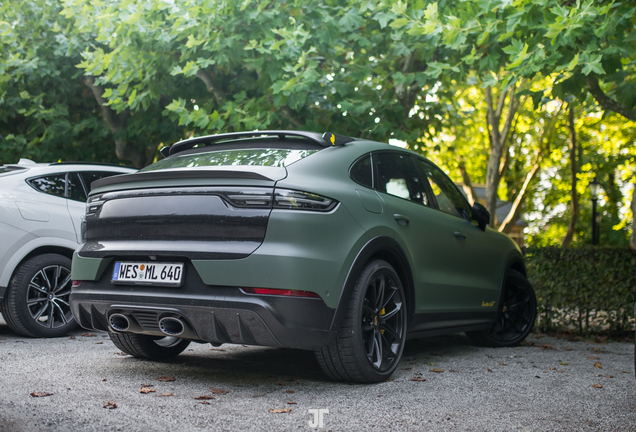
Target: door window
[{"x": 449, "y": 199}]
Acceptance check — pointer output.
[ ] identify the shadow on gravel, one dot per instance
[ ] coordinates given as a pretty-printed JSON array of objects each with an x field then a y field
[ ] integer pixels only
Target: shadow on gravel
[{"x": 249, "y": 365}]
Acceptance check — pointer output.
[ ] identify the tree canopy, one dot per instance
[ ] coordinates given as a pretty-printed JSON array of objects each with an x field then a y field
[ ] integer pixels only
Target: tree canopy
[{"x": 483, "y": 87}]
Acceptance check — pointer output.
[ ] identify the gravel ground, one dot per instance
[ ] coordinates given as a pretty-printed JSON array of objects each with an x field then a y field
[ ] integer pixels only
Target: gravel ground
[{"x": 442, "y": 383}]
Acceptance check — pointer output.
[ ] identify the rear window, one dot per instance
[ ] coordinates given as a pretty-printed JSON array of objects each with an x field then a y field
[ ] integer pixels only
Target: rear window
[{"x": 255, "y": 157}]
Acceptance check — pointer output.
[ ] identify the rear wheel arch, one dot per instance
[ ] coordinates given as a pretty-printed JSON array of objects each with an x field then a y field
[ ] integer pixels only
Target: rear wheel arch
[
  {"x": 41, "y": 250},
  {"x": 383, "y": 248}
]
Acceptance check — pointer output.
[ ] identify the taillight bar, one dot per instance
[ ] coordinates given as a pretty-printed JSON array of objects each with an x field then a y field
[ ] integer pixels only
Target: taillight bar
[{"x": 280, "y": 292}]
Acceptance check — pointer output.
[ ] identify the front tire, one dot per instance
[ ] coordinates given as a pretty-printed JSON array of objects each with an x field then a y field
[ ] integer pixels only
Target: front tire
[
  {"x": 37, "y": 301},
  {"x": 371, "y": 340},
  {"x": 515, "y": 317},
  {"x": 149, "y": 347}
]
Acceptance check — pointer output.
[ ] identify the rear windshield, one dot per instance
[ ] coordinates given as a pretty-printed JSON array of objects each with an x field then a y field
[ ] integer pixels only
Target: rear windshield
[{"x": 256, "y": 156}]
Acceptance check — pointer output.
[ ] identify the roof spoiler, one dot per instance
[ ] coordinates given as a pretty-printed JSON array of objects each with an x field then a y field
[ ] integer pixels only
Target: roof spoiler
[{"x": 327, "y": 139}]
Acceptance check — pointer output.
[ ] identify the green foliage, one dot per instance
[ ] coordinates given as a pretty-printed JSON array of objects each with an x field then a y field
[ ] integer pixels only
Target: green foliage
[
  {"x": 587, "y": 289},
  {"x": 45, "y": 112}
]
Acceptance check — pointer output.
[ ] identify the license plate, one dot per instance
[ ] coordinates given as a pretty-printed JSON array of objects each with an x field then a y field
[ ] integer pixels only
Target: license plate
[{"x": 143, "y": 273}]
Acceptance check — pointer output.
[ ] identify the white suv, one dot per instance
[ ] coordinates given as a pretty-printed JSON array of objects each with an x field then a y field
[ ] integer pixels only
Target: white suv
[{"x": 41, "y": 209}]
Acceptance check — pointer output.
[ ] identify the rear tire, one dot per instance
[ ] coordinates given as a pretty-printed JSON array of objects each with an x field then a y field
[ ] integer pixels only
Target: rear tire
[
  {"x": 516, "y": 315},
  {"x": 36, "y": 303},
  {"x": 149, "y": 347},
  {"x": 369, "y": 345}
]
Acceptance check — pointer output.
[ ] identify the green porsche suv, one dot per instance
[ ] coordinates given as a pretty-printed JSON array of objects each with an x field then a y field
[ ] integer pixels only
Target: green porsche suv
[{"x": 343, "y": 246}]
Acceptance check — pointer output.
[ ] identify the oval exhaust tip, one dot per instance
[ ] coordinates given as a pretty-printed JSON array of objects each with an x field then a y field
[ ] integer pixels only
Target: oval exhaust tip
[
  {"x": 171, "y": 326},
  {"x": 119, "y": 322}
]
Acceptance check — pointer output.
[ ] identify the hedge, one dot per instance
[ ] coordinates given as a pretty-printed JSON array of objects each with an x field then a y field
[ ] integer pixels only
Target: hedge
[{"x": 585, "y": 289}]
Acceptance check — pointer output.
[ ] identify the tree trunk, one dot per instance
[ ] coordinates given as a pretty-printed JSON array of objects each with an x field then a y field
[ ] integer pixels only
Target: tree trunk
[
  {"x": 497, "y": 142},
  {"x": 468, "y": 185},
  {"x": 575, "y": 199},
  {"x": 117, "y": 123},
  {"x": 517, "y": 204}
]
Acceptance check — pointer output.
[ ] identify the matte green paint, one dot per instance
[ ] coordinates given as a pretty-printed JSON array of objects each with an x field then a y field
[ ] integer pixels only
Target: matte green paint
[
  {"x": 314, "y": 251},
  {"x": 307, "y": 251},
  {"x": 88, "y": 268}
]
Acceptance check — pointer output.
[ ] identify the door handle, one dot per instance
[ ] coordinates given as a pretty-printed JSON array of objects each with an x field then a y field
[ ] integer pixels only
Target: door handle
[
  {"x": 459, "y": 235},
  {"x": 401, "y": 219}
]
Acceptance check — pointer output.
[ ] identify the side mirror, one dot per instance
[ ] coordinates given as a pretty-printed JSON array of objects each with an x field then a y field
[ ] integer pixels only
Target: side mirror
[{"x": 480, "y": 215}]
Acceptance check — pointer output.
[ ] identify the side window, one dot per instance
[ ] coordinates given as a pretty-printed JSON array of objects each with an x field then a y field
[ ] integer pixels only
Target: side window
[
  {"x": 76, "y": 190},
  {"x": 52, "y": 184},
  {"x": 396, "y": 175},
  {"x": 361, "y": 173},
  {"x": 449, "y": 198}
]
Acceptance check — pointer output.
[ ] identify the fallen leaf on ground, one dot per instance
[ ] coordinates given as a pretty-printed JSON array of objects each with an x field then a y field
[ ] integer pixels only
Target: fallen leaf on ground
[
  {"x": 437, "y": 370},
  {"x": 289, "y": 391},
  {"x": 552, "y": 368},
  {"x": 598, "y": 365},
  {"x": 418, "y": 379},
  {"x": 204, "y": 397},
  {"x": 407, "y": 368},
  {"x": 560, "y": 370},
  {"x": 597, "y": 349},
  {"x": 281, "y": 384},
  {"x": 489, "y": 370},
  {"x": 147, "y": 385},
  {"x": 280, "y": 410},
  {"x": 291, "y": 403},
  {"x": 166, "y": 378},
  {"x": 104, "y": 379},
  {"x": 168, "y": 394},
  {"x": 72, "y": 337},
  {"x": 205, "y": 403},
  {"x": 98, "y": 343},
  {"x": 41, "y": 394},
  {"x": 89, "y": 334},
  {"x": 625, "y": 372},
  {"x": 502, "y": 364},
  {"x": 146, "y": 390},
  {"x": 110, "y": 405},
  {"x": 218, "y": 391},
  {"x": 609, "y": 376},
  {"x": 597, "y": 386},
  {"x": 451, "y": 370},
  {"x": 564, "y": 364}
]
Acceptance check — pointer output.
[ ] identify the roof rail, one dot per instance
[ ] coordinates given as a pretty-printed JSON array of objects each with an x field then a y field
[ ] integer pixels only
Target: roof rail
[{"x": 326, "y": 140}]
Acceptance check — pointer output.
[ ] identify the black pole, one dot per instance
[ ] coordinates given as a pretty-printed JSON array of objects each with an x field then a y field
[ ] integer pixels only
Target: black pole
[{"x": 594, "y": 227}]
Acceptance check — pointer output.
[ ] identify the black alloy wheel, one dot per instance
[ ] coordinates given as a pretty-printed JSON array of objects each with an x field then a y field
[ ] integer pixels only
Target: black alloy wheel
[
  {"x": 515, "y": 317},
  {"x": 383, "y": 321},
  {"x": 371, "y": 340},
  {"x": 37, "y": 303}
]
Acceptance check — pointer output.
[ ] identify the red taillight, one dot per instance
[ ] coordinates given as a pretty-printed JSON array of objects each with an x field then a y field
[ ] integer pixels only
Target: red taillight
[
  {"x": 76, "y": 284},
  {"x": 280, "y": 292}
]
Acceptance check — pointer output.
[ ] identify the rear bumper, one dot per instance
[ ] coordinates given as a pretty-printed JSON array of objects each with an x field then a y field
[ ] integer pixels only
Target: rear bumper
[{"x": 212, "y": 313}]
